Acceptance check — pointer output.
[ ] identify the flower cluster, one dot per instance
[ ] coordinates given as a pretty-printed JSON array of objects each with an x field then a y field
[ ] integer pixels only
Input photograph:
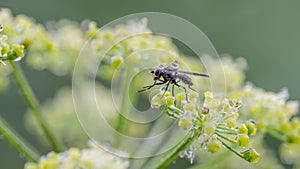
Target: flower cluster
[
  {"x": 74, "y": 158},
  {"x": 261, "y": 105},
  {"x": 8, "y": 52},
  {"x": 64, "y": 121},
  {"x": 214, "y": 123}
]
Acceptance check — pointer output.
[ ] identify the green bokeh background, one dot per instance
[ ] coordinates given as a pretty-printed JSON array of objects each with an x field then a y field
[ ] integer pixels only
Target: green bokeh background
[{"x": 265, "y": 32}]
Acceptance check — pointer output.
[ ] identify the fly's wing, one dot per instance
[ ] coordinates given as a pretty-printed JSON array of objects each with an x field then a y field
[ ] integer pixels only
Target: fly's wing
[
  {"x": 193, "y": 73},
  {"x": 170, "y": 68}
]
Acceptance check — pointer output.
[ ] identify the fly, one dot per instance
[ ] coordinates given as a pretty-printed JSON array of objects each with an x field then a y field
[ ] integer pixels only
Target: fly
[{"x": 171, "y": 75}]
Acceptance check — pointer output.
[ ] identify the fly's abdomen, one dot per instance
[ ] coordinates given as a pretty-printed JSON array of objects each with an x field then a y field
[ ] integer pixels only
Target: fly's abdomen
[{"x": 185, "y": 79}]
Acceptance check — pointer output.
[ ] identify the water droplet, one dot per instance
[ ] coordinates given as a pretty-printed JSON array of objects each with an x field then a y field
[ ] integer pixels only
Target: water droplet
[
  {"x": 1, "y": 28},
  {"x": 18, "y": 59}
]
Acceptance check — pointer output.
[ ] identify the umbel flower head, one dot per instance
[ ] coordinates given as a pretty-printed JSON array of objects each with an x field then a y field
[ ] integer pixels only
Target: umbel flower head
[
  {"x": 8, "y": 52},
  {"x": 74, "y": 158},
  {"x": 213, "y": 123}
]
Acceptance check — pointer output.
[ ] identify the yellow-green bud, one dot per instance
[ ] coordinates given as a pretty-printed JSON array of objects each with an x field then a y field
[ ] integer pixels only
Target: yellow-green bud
[
  {"x": 167, "y": 93},
  {"x": 243, "y": 129},
  {"x": 157, "y": 101},
  {"x": 293, "y": 138},
  {"x": 108, "y": 35},
  {"x": 19, "y": 49},
  {"x": 181, "y": 96},
  {"x": 214, "y": 145},
  {"x": 4, "y": 48},
  {"x": 243, "y": 140},
  {"x": 285, "y": 126},
  {"x": 208, "y": 95},
  {"x": 255, "y": 109},
  {"x": 251, "y": 128},
  {"x": 251, "y": 155},
  {"x": 231, "y": 122},
  {"x": 210, "y": 128},
  {"x": 189, "y": 107},
  {"x": 184, "y": 123},
  {"x": 74, "y": 153},
  {"x": 116, "y": 61},
  {"x": 169, "y": 100},
  {"x": 193, "y": 95},
  {"x": 295, "y": 123}
]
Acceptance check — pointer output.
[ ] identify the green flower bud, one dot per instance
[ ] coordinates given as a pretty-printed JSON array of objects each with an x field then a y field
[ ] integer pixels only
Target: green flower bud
[
  {"x": 116, "y": 61},
  {"x": 251, "y": 155},
  {"x": 181, "y": 97},
  {"x": 208, "y": 95},
  {"x": 251, "y": 127},
  {"x": 285, "y": 126},
  {"x": 169, "y": 100},
  {"x": 157, "y": 101},
  {"x": 293, "y": 138},
  {"x": 167, "y": 93},
  {"x": 243, "y": 129},
  {"x": 210, "y": 128},
  {"x": 193, "y": 95},
  {"x": 74, "y": 153},
  {"x": 97, "y": 44},
  {"x": 231, "y": 122},
  {"x": 243, "y": 140},
  {"x": 109, "y": 35},
  {"x": 295, "y": 123},
  {"x": 184, "y": 123},
  {"x": 214, "y": 145},
  {"x": 19, "y": 49},
  {"x": 4, "y": 48},
  {"x": 189, "y": 107}
]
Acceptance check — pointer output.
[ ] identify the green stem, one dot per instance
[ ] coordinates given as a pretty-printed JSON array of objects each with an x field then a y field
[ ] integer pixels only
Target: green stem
[
  {"x": 276, "y": 134},
  {"x": 226, "y": 132},
  {"x": 232, "y": 149},
  {"x": 226, "y": 138},
  {"x": 123, "y": 124},
  {"x": 173, "y": 154},
  {"x": 227, "y": 129},
  {"x": 17, "y": 142},
  {"x": 33, "y": 104}
]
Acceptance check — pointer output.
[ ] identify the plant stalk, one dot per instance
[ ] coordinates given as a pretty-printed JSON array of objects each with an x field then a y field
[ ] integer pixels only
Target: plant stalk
[
  {"x": 17, "y": 142},
  {"x": 174, "y": 153},
  {"x": 34, "y": 105}
]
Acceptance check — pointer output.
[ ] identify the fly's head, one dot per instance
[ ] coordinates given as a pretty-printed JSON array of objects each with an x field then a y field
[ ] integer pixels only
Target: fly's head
[{"x": 157, "y": 73}]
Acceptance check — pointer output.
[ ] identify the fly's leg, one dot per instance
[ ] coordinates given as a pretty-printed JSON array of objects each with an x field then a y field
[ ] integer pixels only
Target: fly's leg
[
  {"x": 150, "y": 86},
  {"x": 193, "y": 89},
  {"x": 167, "y": 86},
  {"x": 173, "y": 90},
  {"x": 186, "y": 96}
]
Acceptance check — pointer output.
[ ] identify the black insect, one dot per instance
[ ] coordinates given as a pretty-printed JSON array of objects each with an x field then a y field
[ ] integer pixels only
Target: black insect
[{"x": 171, "y": 75}]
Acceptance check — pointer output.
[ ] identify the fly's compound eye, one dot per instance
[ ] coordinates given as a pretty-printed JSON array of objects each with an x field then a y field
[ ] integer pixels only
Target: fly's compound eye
[{"x": 157, "y": 72}]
